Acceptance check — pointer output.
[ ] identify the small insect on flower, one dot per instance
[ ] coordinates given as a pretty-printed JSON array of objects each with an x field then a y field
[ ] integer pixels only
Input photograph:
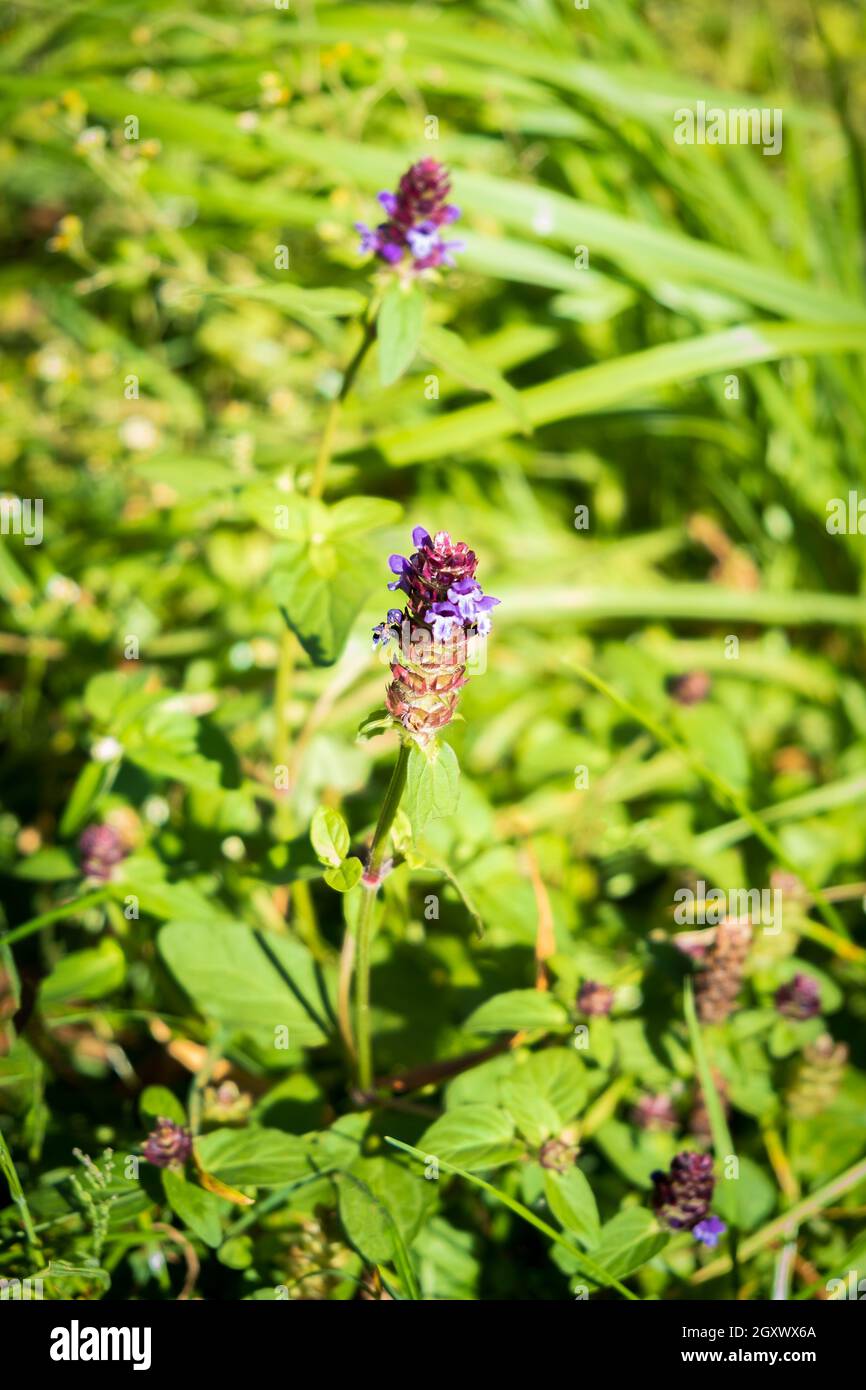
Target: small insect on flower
[
  {"x": 682, "y": 1197},
  {"x": 417, "y": 212},
  {"x": 445, "y": 608},
  {"x": 169, "y": 1145}
]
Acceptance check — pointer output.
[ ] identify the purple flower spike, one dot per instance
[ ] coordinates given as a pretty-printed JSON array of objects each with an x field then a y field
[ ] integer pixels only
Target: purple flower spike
[
  {"x": 682, "y": 1196},
  {"x": 169, "y": 1145},
  {"x": 100, "y": 848},
  {"x": 709, "y": 1230},
  {"x": 799, "y": 999},
  {"x": 416, "y": 213},
  {"x": 445, "y": 607}
]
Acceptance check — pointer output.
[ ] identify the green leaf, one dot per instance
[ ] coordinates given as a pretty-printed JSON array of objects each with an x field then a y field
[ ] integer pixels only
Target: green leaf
[
  {"x": 555, "y": 1075},
  {"x": 398, "y": 330},
  {"x": 345, "y": 876},
  {"x": 47, "y": 866},
  {"x": 158, "y": 1102},
  {"x": 571, "y": 1200},
  {"x": 627, "y": 1241},
  {"x": 517, "y": 1009},
  {"x": 88, "y": 974},
  {"x": 306, "y": 303},
  {"x": 533, "y": 1114},
  {"x": 448, "y": 350},
  {"x": 320, "y": 584},
  {"x": 432, "y": 784},
  {"x": 355, "y": 515},
  {"x": 166, "y": 744},
  {"x": 89, "y": 784},
  {"x": 199, "y": 1210},
  {"x": 587, "y": 1266},
  {"x": 747, "y": 1200},
  {"x": 381, "y": 1202},
  {"x": 330, "y": 836},
  {"x": 247, "y": 980},
  {"x": 253, "y": 1156},
  {"x": 475, "y": 1136}
]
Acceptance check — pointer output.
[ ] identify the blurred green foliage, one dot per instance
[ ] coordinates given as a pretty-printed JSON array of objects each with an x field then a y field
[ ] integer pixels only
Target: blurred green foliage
[{"x": 636, "y": 397}]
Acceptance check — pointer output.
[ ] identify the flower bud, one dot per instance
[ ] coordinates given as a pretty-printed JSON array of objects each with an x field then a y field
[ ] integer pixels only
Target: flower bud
[
  {"x": 100, "y": 848},
  {"x": 799, "y": 999},
  {"x": 594, "y": 999},
  {"x": 169, "y": 1145}
]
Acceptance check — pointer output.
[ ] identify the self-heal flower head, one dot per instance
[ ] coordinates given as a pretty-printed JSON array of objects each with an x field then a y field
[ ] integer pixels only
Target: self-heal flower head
[
  {"x": 799, "y": 999},
  {"x": 416, "y": 214},
  {"x": 100, "y": 848},
  {"x": 169, "y": 1145},
  {"x": 682, "y": 1196},
  {"x": 439, "y": 582},
  {"x": 595, "y": 999},
  {"x": 445, "y": 607}
]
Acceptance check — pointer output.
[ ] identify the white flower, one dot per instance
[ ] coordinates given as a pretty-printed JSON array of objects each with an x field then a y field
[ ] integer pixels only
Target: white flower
[
  {"x": 106, "y": 750},
  {"x": 139, "y": 433}
]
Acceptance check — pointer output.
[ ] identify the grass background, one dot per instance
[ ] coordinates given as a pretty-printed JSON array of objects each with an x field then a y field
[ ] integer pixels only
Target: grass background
[{"x": 698, "y": 386}]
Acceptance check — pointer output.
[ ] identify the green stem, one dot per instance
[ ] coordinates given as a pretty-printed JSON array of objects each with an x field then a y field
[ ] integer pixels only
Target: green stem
[
  {"x": 16, "y": 1191},
  {"x": 56, "y": 914},
  {"x": 326, "y": 444},
  {"x": 365, "y": 919}
]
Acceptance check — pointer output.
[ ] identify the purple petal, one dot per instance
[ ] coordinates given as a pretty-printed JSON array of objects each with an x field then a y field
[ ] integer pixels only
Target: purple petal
[
  {"x": 398, "y": 563},
  {"x": 388, "y": 202},
  {"x": 391, "y": 252},
  {"x": 420, "y": 536},
  {"x": 709, "y": 1230},
  {"x": 422, "y": 243}
]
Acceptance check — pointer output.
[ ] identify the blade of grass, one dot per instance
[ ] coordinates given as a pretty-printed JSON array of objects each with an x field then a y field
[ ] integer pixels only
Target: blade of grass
[
  {"x": 55, "y": 914},
  {"x": 585, "y": 1264},
  {"x": 605, "y": 384}
]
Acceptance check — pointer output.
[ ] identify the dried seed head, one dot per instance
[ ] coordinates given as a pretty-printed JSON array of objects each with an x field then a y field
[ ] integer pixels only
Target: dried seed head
[
  {"x": 655, "y": 1112},
  {"x": 557, "y": 1155},
  {"x": 817, "y": 1078},
  {"x": 718, "y": 984}
]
